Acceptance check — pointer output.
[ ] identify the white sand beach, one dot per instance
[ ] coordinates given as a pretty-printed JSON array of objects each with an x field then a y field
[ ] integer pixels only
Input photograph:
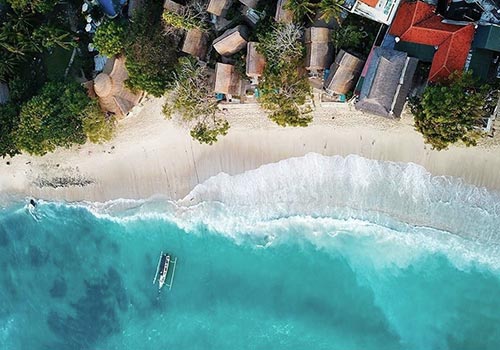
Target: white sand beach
[{"x": 150, "y": 155}]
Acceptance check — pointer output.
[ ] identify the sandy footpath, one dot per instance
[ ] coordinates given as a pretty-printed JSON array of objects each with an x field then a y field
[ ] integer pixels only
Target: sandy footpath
[{"x": 150, "y": 155}]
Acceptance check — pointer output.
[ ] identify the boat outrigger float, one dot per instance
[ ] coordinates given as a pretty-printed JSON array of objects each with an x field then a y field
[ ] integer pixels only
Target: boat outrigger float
[{"x": 162, "y": 270}]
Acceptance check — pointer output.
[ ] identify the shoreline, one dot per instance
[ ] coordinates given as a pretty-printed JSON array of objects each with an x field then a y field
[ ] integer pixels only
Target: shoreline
[{"x": 151, "y": 156}]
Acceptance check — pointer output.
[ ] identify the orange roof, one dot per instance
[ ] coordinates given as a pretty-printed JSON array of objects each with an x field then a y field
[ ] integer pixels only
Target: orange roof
[
  {"x": 371, "y": 3},
  {"x": 416, "y": 22}
]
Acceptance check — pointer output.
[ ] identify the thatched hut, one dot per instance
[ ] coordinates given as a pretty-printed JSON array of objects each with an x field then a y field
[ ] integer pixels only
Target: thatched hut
[
  {"x": 4, "y": 93},
  {"x": 109, "y": 87},
  {"x": 319, "y": 48},
  {"x": 219, "y": 7},
  {"x": 227, "y": 80},
  {"x": 255, "y": 62},
  {"x": 283, "y": 15},
  {"x": 232, "y": 41},
  {"x": 344, "y": 73},
  {"x": 195, "y": 43}
]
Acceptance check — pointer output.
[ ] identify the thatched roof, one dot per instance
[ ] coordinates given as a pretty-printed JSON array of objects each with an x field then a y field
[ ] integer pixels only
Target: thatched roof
[
  {"x": 232, "y": 41},
  {"x": 344, "y": 72},
  {"x": 172, "y": 6},
  {"x": 283, "y": 15},
  {"x": 250, "y": 3},
  {"x": 219, "y": 7},
  {"x": 195, "y": 43},
  {"x": 387, "y": 82},
  {"x": 255, "y": 61},
  {"x": 319, "y": 48},
  {"x": 113, "y": 96},
  {"x": 4, "y": 93},
  {"x": 227, "y": 80}
]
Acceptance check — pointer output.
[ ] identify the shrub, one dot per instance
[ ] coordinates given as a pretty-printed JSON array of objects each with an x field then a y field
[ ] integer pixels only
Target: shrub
[{"x": 109, "y": 38}]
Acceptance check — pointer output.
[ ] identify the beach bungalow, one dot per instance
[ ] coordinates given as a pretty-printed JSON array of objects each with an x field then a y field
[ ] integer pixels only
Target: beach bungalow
[
  {"x": 344, "y": 73},
  {"x": 195, "y": 43},
  {"x": 417, "y": 29},
  {"x": 250, "y": 3},
  {"x": 283, "y": 15},
  {"x": 386, "y": 83},
  {"x": 227, "y": 80},
  {"x": 255, "y": 63},
  {"x": 319, "y": 49},
  {"x": 219, "y": 7},
  {"x": 4, "y": 93},
  {"x": 231, "y": 41},
  {"x": 381, "y": 11},
  {"x": 172, "y": 6},
  {"x": 109, "y": 86}
]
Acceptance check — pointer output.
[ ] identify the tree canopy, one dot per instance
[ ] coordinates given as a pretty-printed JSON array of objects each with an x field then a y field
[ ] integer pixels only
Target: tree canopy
[
  {"x": 97, "y": 126},
  {"x": 109, "y": 38},
  {"x": 191, "y": 96},
  {"x": 8, "y": 126},
  {"x": 450, "y": 111},
  {"x": 284, "y": 86}
]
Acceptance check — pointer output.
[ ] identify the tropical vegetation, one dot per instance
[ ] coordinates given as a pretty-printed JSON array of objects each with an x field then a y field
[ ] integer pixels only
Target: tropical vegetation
[{"x": 109, "y": 38}]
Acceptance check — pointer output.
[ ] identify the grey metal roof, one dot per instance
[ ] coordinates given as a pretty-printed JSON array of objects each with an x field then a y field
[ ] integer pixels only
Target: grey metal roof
[{"x": 387, "y": 83}]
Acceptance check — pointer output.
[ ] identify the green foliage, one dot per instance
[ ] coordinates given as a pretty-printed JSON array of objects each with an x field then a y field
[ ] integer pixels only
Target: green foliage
[
  {"x": 450, "y": 111},
  {"x": 151, "y": 56},
  {"x": 8, "y": 125},
  {"x": 192, "y": 97},
  {"x": 330, "y": 9},
  {"x": 301, "y": 9},
  {"x": 40, "y": 6},
  {"x": 109, "y": 38},
  {"x": 48, "y": 37},
  {"x": 97, "y": 126},
  {"x": 348, "y": 37},
  {"x": 52, "y": 118},
  {"x": 181, "y": 21},
  {"x": 284, "y": 86}
]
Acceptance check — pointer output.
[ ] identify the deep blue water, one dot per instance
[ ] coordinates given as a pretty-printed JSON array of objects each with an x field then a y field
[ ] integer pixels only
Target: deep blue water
[{"x": 265, "y": 261}]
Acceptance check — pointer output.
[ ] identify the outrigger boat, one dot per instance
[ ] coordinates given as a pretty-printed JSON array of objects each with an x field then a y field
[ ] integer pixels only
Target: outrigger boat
[{"x": 162, "y": 270}]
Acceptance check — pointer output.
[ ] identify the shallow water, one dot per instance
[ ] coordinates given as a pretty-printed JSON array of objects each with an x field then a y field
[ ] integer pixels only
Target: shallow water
[{"x": 277, "y": 258}]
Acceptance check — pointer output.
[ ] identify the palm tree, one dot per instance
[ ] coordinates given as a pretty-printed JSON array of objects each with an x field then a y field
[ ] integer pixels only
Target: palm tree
[
  {"x": 330, "y": 9},
  {"x": 301, "y": 8}
]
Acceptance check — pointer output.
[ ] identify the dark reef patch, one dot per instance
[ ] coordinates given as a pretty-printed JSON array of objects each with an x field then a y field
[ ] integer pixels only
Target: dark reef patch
[
  {"x": 59, "y": 288},
  {"x": 37, "y": 256}
]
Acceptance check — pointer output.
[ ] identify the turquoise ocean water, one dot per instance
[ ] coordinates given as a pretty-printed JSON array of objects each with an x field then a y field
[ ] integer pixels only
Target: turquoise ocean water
[{"x": 309, "y": 253}]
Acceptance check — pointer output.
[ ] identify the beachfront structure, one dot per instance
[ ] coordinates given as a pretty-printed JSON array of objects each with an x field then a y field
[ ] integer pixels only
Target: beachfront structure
[
  {"x": 4, "y": 93},
  {"x": 231, "y": 41},
  {"x": 255, "y": 62},
  {"x": 219, "y": 7},
  {"x": 227, "y": 80},
  {"x": 283, "y": 15},
  {"x": 173, "y": 6},
  {"x": 416, "y": 23},
  {"x": 344, "y": 73},
  {"x": 195, "y": 43},
  {"x": 250, "y": 3},
  {"x": 109, "y": 86},
  {"x": 386, "y": 83},
  {"x": 319, "y": 49},
  {"x": 485, "y": 47},
  {"x": 382, "y": 11}
]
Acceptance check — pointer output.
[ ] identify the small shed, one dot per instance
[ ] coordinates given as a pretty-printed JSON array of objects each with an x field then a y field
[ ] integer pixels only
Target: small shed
[
  {"x": 4, "y": 93},
  {"x": 344, "y": 73},
  {"x": 319, "y": 48},
  {"x": 227, "y": 80},
  {"x": 195, "y": 43},
  {"x": 173, "y": 6},
  {"x": 109, "y": 86},
  {"x": 219, "y": 7},
  {"x": 232, "y": 41},
  {"x": 250, "y": 3},
  {"x": 283, "y": 15},
  {"x": 255, "y": 62}
]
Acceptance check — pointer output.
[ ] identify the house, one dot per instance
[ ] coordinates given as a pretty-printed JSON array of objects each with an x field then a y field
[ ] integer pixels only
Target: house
[
  {"x": 319, "y": 48},
  {"x": 231, "y": 41},
  {"x": 195, "y": 43},
  {"x": 173, "y": 6},
  {"x": 344, "y": 73},
  {"x": 109, "y": 86},
  {"x": 4, "y": 93},
  {"x": 282, "y": 14},
  {"x": 417, "y": 23},
  {"x": 485, "y": 48},
  {"x": 250, "y": 3},
  {"x": 381, "y": 11},
  {"x": 227, "y": 80},
  {"x": 255, "y": 62},
  {"x": 386, "y": 82},
  {"x": 219, "y": 7}
]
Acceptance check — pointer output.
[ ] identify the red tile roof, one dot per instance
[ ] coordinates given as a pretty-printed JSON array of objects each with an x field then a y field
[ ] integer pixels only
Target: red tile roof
[
  {"x": 416, "y": 22},
  {"x": 371, "y": 3}
]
